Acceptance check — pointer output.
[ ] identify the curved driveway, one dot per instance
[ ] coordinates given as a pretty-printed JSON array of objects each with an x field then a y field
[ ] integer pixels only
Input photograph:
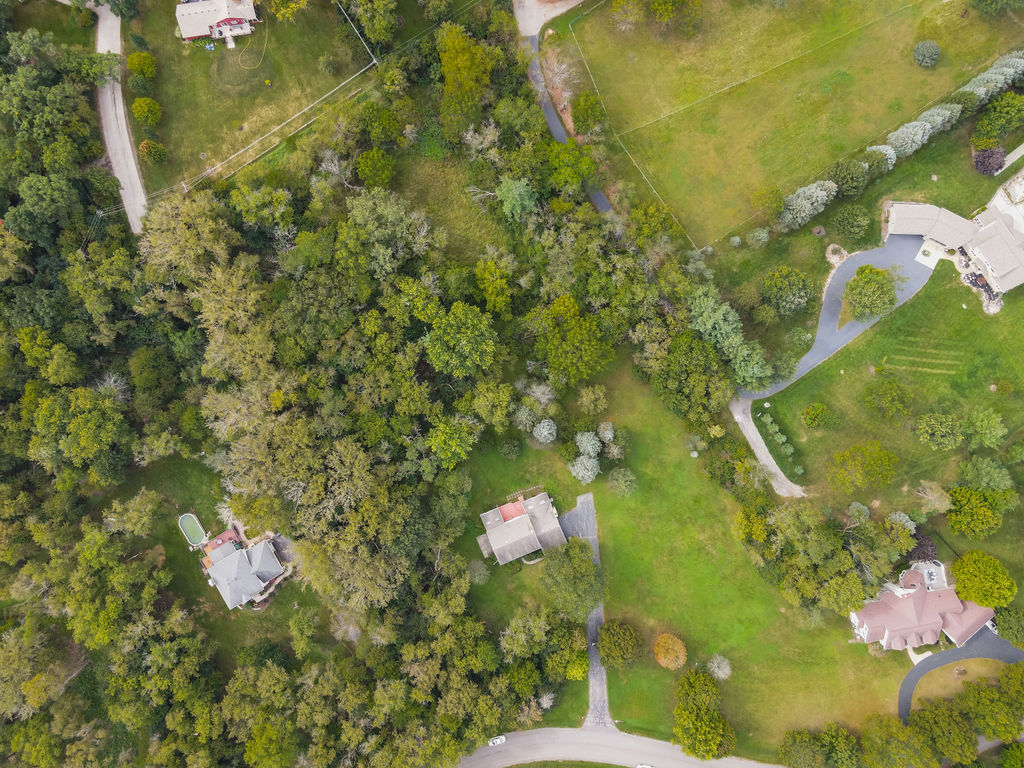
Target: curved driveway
[
  {"x": 984, "y": 645},
  {"x": 596, "y": 745},
  {"x": 899, "y": 251}
]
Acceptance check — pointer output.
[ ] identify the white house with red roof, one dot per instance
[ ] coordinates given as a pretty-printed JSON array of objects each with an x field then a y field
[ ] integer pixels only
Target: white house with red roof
[
  {"x": 916, "y": 610},
  {"x": 218, "y": 19}
]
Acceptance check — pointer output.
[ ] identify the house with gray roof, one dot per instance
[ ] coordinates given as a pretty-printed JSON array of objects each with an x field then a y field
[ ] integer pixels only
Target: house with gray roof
[
  {"x": 520, "y": 527},
  {"x": 243, "y": 575}
]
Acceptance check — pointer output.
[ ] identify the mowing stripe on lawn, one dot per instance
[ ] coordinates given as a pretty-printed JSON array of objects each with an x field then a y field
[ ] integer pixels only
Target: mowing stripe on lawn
[
  {"x": 913, "y": 358},
  {"x": 923, "y": 370}
]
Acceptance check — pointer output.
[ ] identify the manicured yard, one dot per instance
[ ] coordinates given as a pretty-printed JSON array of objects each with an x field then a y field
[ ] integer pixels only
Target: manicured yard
[
  {"x": 674, "y": 565},
  {"x": 833, "y": 77},
  {"x": 217, "y": 102},
  {"x": 50, "y": 16},
  {"x": 946, "y": 681},
  {"x": 189, "y": 486}
]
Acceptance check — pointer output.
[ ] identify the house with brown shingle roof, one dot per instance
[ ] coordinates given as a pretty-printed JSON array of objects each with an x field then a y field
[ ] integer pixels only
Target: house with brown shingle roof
[
  {"x": 917, "y": 609},
  {"x": 520, "y": 527}
]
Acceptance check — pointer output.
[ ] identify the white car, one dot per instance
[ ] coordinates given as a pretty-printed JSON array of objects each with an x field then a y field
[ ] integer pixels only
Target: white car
[{"x": 493, "y": 742}]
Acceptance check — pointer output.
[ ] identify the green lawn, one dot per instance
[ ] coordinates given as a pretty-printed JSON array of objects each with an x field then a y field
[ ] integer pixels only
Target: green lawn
[
  {"x": 217, "y": 102},
  {"x": 50, "y": 16},
  {"x": 833, "y": 78},
  {"x": 674, "y": 565},
  {"x": 189, "y": 486}
]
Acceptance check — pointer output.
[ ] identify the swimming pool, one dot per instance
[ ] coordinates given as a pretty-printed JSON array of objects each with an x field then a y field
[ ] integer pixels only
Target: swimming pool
[{"x": 191, "y": 529}]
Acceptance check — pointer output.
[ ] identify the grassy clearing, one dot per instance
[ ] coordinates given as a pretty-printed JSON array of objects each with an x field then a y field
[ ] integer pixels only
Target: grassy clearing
[
  {"x": 946, "y": 681},
  {"x": 438, "y": 188},
  {"x": 674, "y": 565},
  {"x": 217, "y": 102},
  {"x": 790, "y": 123},
  {"x": 49, "y": 16},
  {"x": 189, "y": 486}
]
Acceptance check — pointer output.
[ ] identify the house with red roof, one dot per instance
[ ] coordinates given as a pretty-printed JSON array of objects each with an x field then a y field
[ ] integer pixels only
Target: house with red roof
[
  {"x": 916, "y": 610},
  {"x": 520, "y": 527}
]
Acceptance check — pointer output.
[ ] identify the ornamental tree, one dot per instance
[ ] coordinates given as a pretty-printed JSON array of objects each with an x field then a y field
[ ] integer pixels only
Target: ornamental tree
[
  {"x": 806, "y": 203},
  {"x": 619, "y": 643},
  {"x": 375, "y": 167},
  {"x": 1011, "y": 626},
  {"x": 786, "y": 290},
  {"x": 570, "y": 342},
  {"x": 972, "y": 515},
  {"x": 909, "y": 138},
  {"x": 142, "y": 63},
  {"x": 852, "y": 220},
  {"x": 669, "y": 651},
  {"x": 984, "y": 580},
  {"x": 585, "y": 469},
  {"x": 926, "y": 54},
  {"x": 146, "y": 111},
  {"x": 990, "y": 161},
  {"x": 572, "y": 580},
  {"x": 939, "y": 431},
  {"x": 871, "y": 292}
]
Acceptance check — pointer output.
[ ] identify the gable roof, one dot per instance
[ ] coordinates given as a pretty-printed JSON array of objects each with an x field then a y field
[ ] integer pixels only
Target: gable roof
[
  {"x": 519, "y": 528},
  {"x": 244, "y": 573},
  {"x": 1000, "y": 245},
  {"x": 932, "y": 222},
  {"x": 196, "y": 18},
  {"x": 913, "y": 612}
]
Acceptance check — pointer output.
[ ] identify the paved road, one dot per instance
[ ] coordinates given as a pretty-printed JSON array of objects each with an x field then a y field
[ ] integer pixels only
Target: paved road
[
  {"x": 597, "y": 197},
  {"x": 984, "y": 645},
  {"x": 598, "y": 745},
  {"x": 740, "y": 409},
  {"x": 114, "y": 121},
  {"x": 581, "y": 522},
  {"x": 899, "y": 252}
]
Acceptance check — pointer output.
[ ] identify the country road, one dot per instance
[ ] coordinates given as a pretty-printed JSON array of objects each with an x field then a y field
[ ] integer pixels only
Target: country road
[
  {"x": 598, "y": 745},
  {"x": 114, "y": 121}
]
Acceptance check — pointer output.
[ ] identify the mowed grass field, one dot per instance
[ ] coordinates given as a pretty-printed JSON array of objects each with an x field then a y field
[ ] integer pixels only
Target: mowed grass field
[
  {"x": 947, "y": 681},
  {"x": 217, "y": 102},
  {"x": 674, "y": 566},
  {"x": 50, "y": 16},
  {"x": 768, "y": 95},
  {"x": 948, "y": 358}
]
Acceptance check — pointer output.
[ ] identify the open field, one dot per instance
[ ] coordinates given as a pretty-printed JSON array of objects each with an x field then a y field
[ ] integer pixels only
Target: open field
[
  {"x": 217, "y": 102},
  {"x": 50, "y": 16},
  {"x": 768, "y": 95},
  {"x": 189, "y": 486},
  {"x": 675, "y": 566},
  {"x": 946, "y": 681}
]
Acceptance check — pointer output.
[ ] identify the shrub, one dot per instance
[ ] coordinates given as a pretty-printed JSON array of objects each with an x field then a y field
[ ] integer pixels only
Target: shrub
[
  {"x": 850, "y": 176},
  {"x": 806, "y": 203},
  {"x": 545, "y": 431},
  {"x": 765, "y": 315},
  {"x": 578, "y": 666},
  {"x": 146, "y": 111},
  {"x": 735, "y": 241},
  {"x": 985, "y": 474},
  {"x": 984, "y": 580},
  {"x": 769, "y": 199},
  {"x": 510, "y": 449},
  {"x": 567, "y": 451},
  {"x": 719, "y": 667},
  {"x": 375, "y": 167},
  {"x": 1010, "y": 622},
  {"x": 871, "y": 292},
  {"x": 939, "y": 431},
  {"x": 786, "y": 290},
  {"x": 851, "y": 220},
  {"x": 587, "y": 113},
  {"x": 941, "y": 117},
  {"x": 606, "y": 431},
  {"x": 619, "y": 643},
  {"x": 669, "y": 651},
  {"x": 983, "y": 427},
  {"x": 478, "y": 571},
  {"x": 971, "y": 514},
  {"x": 142, "y": 63},
  {"x": 1016, "y": 453},
  {"x": 139, "y": 84},
  {"x": 1012, "y": 756},
  {"x": 585, "y": 469},
  {"x": 885, "y": 151},
  {"x": 524, "y": 418},
  {"x": 593, "y": 400},
  {"x": 758, "y": 237},
  {"x": 699, "y": 728},
  {"x": 83, "y": 17},
  {"x": 989, "y": 161},
  {"x": 1004, "y": 114},
  {"x": 153, "y": 152},
  {"x": 138, "y": 41},
  {"x": 589, "y": 444},
  {"x": 327, "y": 64},
  {"x": 926, "y": 53},
  {"x": 966, "y": 100},
  {"x": 861, "y": 465},
  {"x": 820, "y": 415},
  {"x": 909, "y": 138},
  {"x": 622, "y": 481},
  {"x": 887, "y": 397}
]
